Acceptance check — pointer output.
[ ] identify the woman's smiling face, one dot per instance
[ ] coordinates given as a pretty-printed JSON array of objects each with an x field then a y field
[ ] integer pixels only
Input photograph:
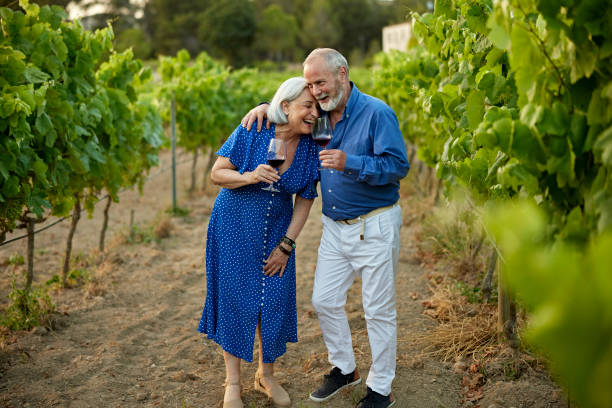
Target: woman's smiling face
[{"x": 301, "y": 112}]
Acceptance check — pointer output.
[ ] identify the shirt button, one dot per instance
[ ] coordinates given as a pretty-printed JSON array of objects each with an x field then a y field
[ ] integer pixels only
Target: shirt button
[{"x": 331, "y": 171}]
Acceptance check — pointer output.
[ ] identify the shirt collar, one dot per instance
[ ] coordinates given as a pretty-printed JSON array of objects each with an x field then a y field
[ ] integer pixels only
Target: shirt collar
[{"x": 352, "y": 101}]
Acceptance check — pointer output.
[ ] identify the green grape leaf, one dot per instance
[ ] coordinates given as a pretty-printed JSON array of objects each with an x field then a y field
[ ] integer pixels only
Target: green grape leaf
[
  {"x": 525, "y": 145},
  {"x": 34, "y": 75},
  {"x": 44, "y": 126},
  {"x": 10, "y": 187},
  {"x": 474, "y": 108},
  {"x": 578, "y": 131},
  {"x": 603, "y": 147},
  {"x": 504, "y": 130}
]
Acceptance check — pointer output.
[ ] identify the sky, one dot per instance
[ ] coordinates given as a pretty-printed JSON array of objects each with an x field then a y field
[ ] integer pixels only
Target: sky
[{"x": 92, "y": 7}]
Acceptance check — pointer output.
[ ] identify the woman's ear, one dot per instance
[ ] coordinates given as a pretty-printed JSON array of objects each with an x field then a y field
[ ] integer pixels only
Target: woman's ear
[{"x": 285, "y": 107}]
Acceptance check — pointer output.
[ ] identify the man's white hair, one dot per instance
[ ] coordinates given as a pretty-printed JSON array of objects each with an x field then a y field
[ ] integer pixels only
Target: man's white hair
[
  {"x": 288, "y": 91},
  {"x": 333, "y": 58}
]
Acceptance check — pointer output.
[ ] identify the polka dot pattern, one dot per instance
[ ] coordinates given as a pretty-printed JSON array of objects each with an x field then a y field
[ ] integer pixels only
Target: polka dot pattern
[{"x": 245, "y": 226}]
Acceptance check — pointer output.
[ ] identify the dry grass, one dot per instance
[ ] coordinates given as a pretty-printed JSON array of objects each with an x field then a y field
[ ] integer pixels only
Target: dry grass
[
  {"x": 464, "y": 329},
  {"x": 163, "y": 228}
]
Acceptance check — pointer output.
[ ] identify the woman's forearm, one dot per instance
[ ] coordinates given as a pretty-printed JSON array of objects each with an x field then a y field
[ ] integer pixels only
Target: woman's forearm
[
  {"x": 229, "y": 178},
  {"x": 301, "y": 208}
]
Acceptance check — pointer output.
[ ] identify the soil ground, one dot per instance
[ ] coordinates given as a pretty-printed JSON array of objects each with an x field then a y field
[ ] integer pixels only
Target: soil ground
[{"x": 128, "y": 338}]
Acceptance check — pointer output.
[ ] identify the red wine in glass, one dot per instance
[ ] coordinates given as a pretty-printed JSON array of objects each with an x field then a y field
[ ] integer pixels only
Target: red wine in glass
[
  {"x": 275, "y": 156},
  {"x": 276, "y": 163},
  {"x": 322, "y": 139},
  {"x": 321, "y": 131}
]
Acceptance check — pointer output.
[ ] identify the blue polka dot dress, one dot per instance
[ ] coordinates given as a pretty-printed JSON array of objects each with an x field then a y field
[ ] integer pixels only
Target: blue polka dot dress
[{"x": 245, "y": 226}]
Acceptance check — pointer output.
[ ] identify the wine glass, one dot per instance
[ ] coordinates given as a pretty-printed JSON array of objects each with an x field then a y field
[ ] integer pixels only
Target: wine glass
[
  {"x": 321, "y": 131},
  {"x": 276, "y": 155}
]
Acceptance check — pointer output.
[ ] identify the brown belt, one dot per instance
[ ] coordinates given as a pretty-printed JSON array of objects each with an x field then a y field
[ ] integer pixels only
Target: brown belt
[{"x": 363, "y": 217}]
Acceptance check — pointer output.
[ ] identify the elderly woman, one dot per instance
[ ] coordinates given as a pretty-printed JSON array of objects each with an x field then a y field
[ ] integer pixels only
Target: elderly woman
[{"x": 250, "y": 263}]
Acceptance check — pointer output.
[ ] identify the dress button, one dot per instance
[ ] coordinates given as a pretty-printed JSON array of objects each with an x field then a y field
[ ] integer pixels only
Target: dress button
[
  {"x": 331, "y": 171},
  {"x": 329, "y": 191},
  {"x": 334, "y": 207}
]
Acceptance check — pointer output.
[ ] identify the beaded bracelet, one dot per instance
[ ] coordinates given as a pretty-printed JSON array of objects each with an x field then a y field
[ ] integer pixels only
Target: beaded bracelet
[
  {"x": 283, "y": 250},
  {"x": 288, "y": 241}
]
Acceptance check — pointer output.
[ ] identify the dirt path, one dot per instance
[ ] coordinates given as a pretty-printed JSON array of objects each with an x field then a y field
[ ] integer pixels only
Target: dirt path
[{"x": 135, "y": 344}]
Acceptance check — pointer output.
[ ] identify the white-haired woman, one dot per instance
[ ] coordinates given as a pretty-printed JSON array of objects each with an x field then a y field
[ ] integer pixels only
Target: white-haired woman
[{"x": 250, "y": 263}]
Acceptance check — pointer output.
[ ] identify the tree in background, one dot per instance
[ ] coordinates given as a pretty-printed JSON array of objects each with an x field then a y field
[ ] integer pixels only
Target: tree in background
[
  {"x": 173, "y": 25},
  {"x": 360, "y": 22},
  {"x": 227, "y": 30},
  {"x": 320, "y": 27},
  {"x": 277, "y": 35},
  {"x": 244, "y": 31},
  {"x": 137, "y": 39}
]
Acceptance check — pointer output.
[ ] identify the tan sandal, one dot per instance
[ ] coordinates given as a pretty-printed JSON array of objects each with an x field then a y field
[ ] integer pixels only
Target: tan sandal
[
  {"x": 235, "y": 402},
  {"x": 276, "y": 393}
]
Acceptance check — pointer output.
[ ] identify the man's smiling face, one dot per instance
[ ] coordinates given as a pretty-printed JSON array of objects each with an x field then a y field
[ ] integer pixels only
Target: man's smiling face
[{"x": 324, "y": 83}]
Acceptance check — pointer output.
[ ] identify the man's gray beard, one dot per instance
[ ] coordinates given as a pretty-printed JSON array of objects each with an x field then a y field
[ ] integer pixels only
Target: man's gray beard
[{"x": 333, "y": 103}]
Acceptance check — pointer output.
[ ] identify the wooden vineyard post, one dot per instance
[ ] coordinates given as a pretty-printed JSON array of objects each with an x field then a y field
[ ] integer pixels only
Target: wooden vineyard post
[
  {"x": 104, "y": 224},
  {"x": 173, "y": 126},
  {"x": 132, "y": 225},
  {"x": 506, "y": 311},
  {"x": 30, "y": 273},
  {"x": 193, "y": 170},
  {"x": 208, "y": 166},
  {"x": 76, "y": 215},
  {"x": 29, "y": 223}
]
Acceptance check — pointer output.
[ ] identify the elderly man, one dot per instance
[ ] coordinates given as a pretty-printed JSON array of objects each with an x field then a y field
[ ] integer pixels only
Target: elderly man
[{"x": 362, "y": 167}]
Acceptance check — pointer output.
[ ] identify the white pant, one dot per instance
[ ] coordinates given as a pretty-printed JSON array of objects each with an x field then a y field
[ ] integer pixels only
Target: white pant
[{"x": 343, "y": 256}]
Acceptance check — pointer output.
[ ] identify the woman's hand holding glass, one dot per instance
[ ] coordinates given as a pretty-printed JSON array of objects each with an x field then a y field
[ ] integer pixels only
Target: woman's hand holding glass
[
  {"x": 276, "y": 155},
  {"x": 264, "y": 173}
]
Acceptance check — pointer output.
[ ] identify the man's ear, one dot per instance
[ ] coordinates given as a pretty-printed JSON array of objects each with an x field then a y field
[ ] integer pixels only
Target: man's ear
[{"x": 342, "y": 74}]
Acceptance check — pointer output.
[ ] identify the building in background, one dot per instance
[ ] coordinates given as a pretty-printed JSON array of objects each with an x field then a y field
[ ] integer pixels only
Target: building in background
[{"x": 396, "y": 37}]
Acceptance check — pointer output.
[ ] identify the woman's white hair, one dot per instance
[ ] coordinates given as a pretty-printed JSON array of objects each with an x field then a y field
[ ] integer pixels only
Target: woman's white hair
[{"x": 288, "y": 91}]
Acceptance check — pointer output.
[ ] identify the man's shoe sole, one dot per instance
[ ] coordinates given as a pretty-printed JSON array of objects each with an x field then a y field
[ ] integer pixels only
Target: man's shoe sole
[{"x": 317, "y": 399}]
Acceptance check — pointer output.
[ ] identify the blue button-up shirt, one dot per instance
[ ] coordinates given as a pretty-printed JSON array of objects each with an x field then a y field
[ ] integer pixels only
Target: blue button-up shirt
[{"x": 376, "y": 159}]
